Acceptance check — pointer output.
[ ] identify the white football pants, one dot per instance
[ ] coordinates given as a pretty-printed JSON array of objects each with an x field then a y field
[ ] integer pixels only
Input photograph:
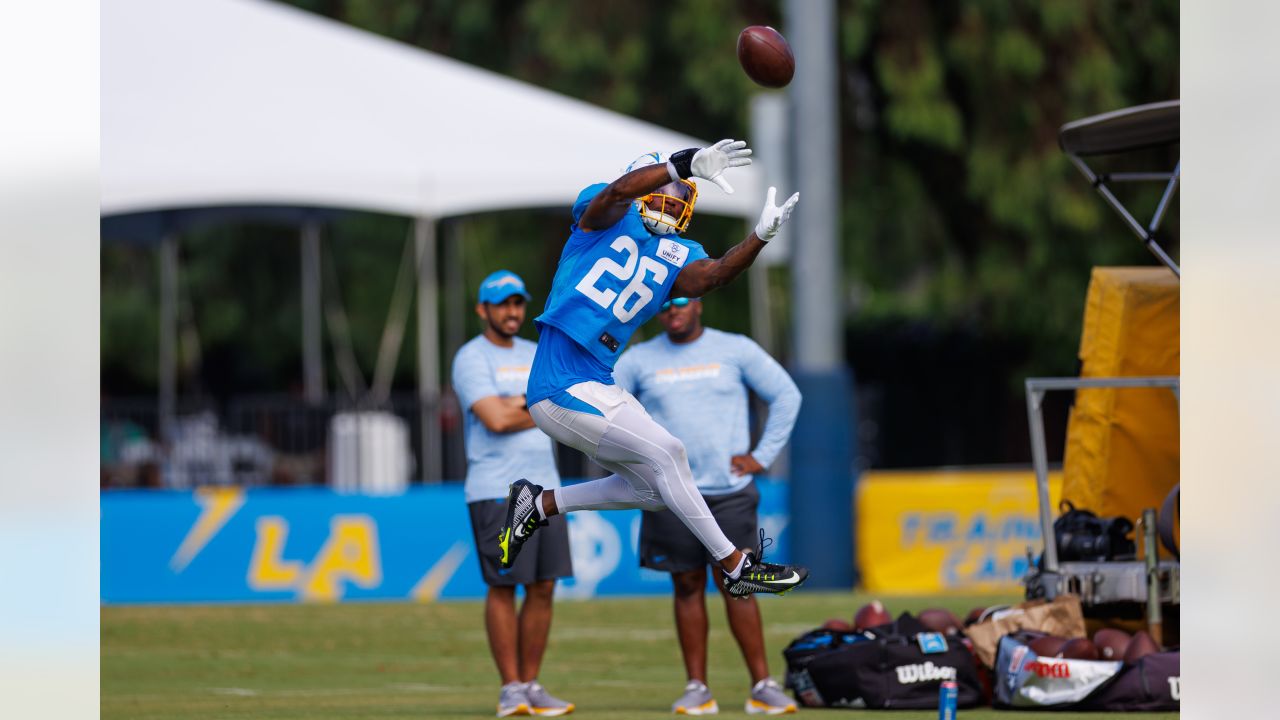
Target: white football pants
[{"x": 650, "y": 465}]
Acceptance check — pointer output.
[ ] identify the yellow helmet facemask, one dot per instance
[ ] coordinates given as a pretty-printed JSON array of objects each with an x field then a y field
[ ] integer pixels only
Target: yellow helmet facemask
[{"x": 668, "y": 209}]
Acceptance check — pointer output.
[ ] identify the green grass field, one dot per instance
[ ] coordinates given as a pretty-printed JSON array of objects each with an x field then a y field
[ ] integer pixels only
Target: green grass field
[{"x": 614, "y": 658}]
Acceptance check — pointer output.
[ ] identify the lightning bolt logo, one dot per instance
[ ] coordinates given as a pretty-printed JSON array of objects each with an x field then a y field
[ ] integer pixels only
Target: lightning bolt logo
[
  {"x": 217, "y": 505},
  {"x": 429, "y": 587}
]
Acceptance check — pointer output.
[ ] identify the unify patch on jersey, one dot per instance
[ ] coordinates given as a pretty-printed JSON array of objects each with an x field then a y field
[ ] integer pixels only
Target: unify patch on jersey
[{"x": 673, "y": 252}]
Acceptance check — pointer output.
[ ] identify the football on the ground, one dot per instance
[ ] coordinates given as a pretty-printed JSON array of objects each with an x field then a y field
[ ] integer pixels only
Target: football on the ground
[
  {"x": 974, "y": 616},
  {"x": 766, "y": 56},
  {"x": 1079, "y": 649},
  {"x": 871, "y": 615},
  {"x": 940, "y": 620},
  {"x": 1047, "y": 646},
  {"x": 1140, "y": 646},
  {"x": 1111, "y": 643}
]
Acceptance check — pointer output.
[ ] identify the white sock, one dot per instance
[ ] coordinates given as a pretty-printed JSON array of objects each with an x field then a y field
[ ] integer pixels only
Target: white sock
[
  {"x": 742, "y": 563},
  {"x": 537, "y": 504}
]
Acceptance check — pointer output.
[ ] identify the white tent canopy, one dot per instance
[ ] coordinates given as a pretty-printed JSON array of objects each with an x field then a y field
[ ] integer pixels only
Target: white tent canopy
[{"x": 246, "y": 102}]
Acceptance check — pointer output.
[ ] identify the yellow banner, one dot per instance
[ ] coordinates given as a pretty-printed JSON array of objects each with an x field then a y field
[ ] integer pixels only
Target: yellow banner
[{"x": 948, "y": 531}]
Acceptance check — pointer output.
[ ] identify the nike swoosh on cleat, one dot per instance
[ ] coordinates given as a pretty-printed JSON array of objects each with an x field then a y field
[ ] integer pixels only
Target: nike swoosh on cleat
[
  {"x": 517, "y": 531},
  {"x": 795, "y": 578}
]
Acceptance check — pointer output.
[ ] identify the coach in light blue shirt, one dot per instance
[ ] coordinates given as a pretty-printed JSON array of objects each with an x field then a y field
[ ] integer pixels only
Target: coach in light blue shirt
[
  {"x": 693, "y": 380},
  {"x": 490, "y": 375}
]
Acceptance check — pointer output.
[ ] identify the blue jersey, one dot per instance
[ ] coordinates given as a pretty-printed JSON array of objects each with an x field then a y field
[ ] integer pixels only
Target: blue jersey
[{"x": 608, "y": 283}]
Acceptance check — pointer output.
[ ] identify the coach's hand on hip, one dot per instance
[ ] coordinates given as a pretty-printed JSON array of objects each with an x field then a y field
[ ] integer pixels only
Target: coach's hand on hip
[{"x": 745, "y": 465}]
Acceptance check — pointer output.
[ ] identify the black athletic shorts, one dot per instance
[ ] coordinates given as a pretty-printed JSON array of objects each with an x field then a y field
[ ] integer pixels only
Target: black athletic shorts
[
  {"x": 545, "y": 556},
  {"x": 667, "y": 545}
]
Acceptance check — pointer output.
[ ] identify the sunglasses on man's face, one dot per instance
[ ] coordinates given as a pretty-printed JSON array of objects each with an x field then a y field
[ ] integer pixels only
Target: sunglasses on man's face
[{"x": 678, "y": 302}]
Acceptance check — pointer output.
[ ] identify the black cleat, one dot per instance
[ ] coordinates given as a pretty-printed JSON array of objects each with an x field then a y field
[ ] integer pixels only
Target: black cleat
[
  {"x": 763, "y": 577},
  {"x": 522, "y": 520},
  {"x": 758, "y": 576}
]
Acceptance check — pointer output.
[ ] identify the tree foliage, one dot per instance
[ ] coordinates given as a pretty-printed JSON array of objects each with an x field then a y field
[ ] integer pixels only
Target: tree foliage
[{"x": 959, "y": 206}]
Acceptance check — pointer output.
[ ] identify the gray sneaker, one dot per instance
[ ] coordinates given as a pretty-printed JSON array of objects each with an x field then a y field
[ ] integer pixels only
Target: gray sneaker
[
  {"x": 767, "y": 698},
  {"x": 544, "y": 703},
  {"x": 512, "y": 700},
  {"x": 696, "y": 700}
]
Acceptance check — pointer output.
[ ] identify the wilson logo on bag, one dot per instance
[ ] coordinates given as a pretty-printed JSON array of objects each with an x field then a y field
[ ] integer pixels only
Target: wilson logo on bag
[{"x": 924, "y": 672}]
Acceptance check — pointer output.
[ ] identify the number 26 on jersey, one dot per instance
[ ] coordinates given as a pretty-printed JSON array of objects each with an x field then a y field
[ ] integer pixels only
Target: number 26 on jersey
[{"x": 632, "y": 270}]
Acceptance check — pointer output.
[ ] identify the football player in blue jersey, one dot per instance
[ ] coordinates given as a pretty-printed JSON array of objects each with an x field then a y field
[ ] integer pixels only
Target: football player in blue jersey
[{"x": 624, "y": 257}]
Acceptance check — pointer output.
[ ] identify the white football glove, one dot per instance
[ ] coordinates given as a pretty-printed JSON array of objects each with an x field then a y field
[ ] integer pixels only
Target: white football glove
[
  {"x": 711, "y": 162},
  {"x": 773, "y": 216}
]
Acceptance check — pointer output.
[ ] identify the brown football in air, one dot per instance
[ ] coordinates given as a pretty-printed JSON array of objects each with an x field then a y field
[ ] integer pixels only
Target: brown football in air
[
  {"x": 940, "y": 620},
  {"x": 765, "y": 56},
  {"x": 1047, "y": 646},
  {"x": 1079, "y": 649},
  {"x": 871, "y": 615},
  {"x": 838, "y": 625},
  {"x": 1111, "y": 643},
  {"x": 1139, "y": 647}
]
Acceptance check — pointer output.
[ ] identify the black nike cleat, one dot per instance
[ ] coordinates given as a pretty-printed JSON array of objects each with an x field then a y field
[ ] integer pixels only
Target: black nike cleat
[
  {"x": 762, "y": 577},
  {"x": 522, "y": 520},
  {"x": 758, "y": 576}
]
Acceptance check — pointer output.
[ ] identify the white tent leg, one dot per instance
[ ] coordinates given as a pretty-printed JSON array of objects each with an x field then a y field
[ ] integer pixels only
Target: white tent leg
[
  {"x": 424, "y": 232},
  {"x": 456, "y": 311}
]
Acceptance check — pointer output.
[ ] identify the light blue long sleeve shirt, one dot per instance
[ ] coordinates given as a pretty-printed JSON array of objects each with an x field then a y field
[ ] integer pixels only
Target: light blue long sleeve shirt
[
  {"x": 698, "y": 392},
  {"x": 495, "y": 460}
]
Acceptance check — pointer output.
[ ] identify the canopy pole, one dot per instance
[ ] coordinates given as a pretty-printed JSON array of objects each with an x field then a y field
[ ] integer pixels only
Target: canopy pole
[
  {"x": 167, "y": 370},
  {"x": 312, "y": 354},
  {"x": 761, "y": 313},
  {"x": 769, "y": 128},
  {"x": 424, "y": 233},
  {"x": 822, "y": 477}
]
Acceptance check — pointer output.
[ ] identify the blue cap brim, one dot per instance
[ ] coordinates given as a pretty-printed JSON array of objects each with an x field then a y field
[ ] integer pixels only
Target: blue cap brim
[{"x": 492, "y": 300}]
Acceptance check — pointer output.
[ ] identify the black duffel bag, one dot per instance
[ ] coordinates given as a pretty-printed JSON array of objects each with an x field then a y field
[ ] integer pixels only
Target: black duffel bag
[
  {"x": 815, "y": 644},
  {"x": 884, "y": 667},
  {"x": 1152, "y": 683}
]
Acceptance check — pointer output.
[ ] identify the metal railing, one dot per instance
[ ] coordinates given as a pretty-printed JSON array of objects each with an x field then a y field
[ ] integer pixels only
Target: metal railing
[
  {"x": 1036, "y": 389},
  {"x": 252, "y": 440}
]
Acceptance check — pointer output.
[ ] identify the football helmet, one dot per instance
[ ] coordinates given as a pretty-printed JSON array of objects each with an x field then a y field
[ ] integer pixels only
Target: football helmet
[{"x": 668, "y": 209}]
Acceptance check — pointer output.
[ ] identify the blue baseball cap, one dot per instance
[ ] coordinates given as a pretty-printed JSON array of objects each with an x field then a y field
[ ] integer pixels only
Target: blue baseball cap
[{"x": 500, "y": 285}]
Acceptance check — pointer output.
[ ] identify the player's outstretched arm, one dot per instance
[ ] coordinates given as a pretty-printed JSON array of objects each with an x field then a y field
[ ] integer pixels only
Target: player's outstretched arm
[
  {"x": 610, "y": 204},
  {"x": 701, "y": 277}
]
